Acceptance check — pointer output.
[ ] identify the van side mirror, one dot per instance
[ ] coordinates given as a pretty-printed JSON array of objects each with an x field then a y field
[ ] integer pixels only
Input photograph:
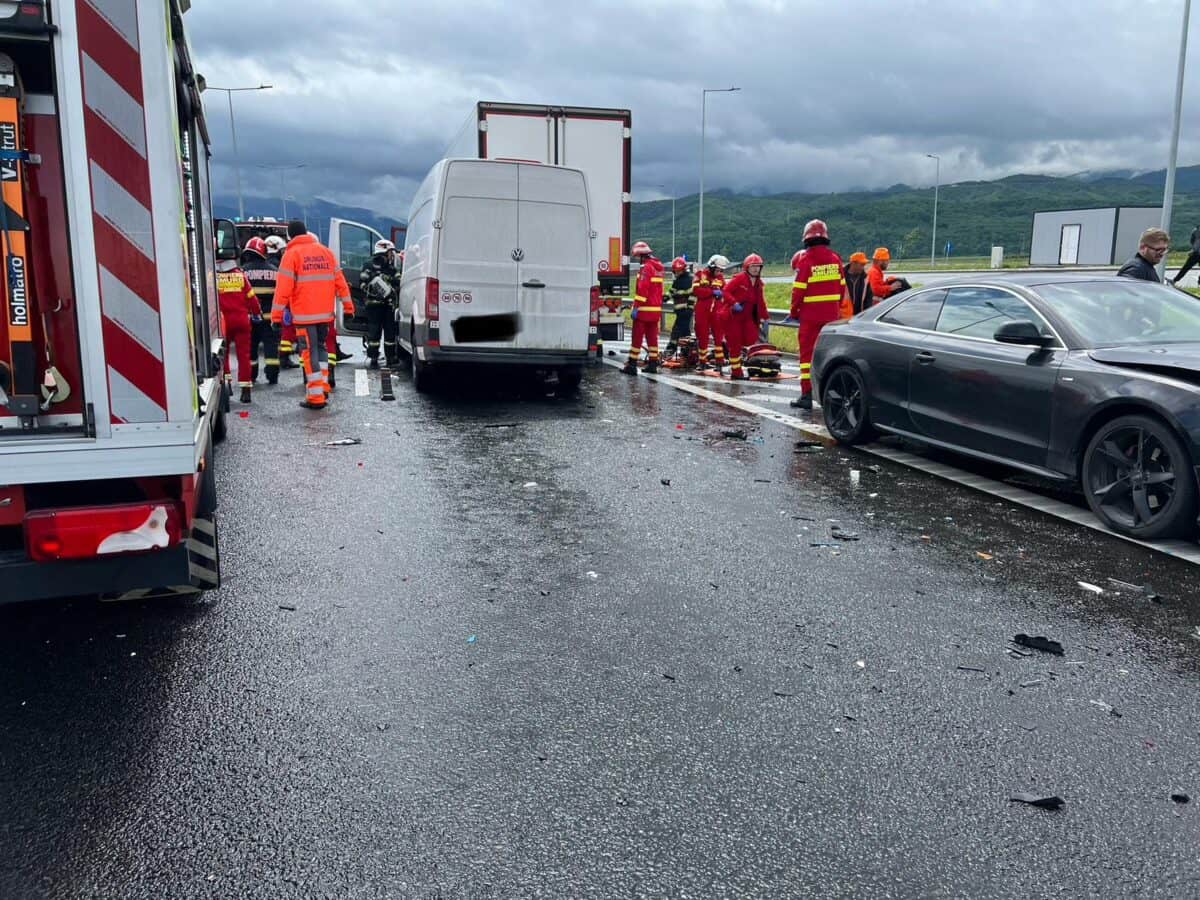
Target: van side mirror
[
  {"x": 225, "y": 233},
  {"x": 1022, "y": 332}
]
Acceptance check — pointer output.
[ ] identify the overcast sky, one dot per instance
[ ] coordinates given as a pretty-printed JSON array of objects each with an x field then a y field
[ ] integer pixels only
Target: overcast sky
[{"x": 835, "y": 95}]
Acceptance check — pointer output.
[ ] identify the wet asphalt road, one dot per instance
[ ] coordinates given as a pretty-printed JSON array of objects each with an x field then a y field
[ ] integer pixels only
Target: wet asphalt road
[{"x": 514, "y": 663}]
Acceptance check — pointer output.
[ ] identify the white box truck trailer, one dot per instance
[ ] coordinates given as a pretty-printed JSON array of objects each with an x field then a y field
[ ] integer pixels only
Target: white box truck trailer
[
  {"x": 596, "y": 141},
  {"x": 110, "y": 343}
]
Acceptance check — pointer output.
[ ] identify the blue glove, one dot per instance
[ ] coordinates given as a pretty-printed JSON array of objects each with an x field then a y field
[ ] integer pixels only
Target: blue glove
[
  {"x": 718, "y": 294},
  {"x": 287, "y": 316},
  {"x": 737, "y": 307},
  {"x": 633, "y": 314}
]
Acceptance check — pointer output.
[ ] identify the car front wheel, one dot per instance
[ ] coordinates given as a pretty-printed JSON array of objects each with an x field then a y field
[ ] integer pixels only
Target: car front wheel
[
  {"x": 844, "y": 404},
  {"x": 1138, "y": 478}
]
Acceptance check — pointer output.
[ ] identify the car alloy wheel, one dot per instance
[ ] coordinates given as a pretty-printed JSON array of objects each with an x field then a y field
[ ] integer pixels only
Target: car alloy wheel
[
  {"x": 1138, "y": 478},
  {"x": 844, "y": 402}
]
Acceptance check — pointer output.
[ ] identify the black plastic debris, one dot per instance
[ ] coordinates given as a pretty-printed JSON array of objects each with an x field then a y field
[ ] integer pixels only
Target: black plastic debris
[
  {"x": 665, "y": 482},
  {"x": 503, "y": 425},
  {"x": 284, "y": 606},
  {"x": 804, "y": 442},
  {"x": 782, "y": 694},
  {"x": 822, "y": 544},
  {"x": 762, "y": 480},
  {"x": 1041, "y": 802},
  {"x": 736, "y": 434},
  {"x": 803, "y": 519},
  {"x": 840, "y": 535},
  {"x": 808, "y": 448},
  {"x": 668, "y": 677},
  {"x": 1181, "y": 797},
  {"x": 737, "y": 669},
  {"x": 1039, "y": 642},
  {"x": 971, "y": 669}
]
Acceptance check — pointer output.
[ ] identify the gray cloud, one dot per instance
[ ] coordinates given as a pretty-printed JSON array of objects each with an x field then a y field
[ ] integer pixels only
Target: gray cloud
[{"x": 835, "y": 95}]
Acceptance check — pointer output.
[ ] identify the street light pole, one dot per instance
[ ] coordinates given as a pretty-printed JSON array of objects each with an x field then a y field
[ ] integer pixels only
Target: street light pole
[
  {"x": 282, "y": 186},
  {"x": 703, "y": 125},
  {"x": 237, "y": 169},
  {"x": 1169, "y": 187},
  {"x": 664, "y": 189},
  {"x": 937, "y": 181}
]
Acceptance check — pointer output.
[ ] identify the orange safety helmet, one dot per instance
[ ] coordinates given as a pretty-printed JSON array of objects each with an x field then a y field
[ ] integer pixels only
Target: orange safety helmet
[
  {"x": 257, "y": 245},
  {"x": 796, "y": 259},
  {"x": 752, "y": 260},
  {"x": 641, "y": 248},
  {"x": 679, "y": 264},
  {"x": 816, "y": 229},
  {"x": 881, "y": 254},
  {"x": 859, "y": 257}
]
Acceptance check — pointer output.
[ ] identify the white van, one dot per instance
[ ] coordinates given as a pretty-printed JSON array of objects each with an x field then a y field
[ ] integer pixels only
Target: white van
[{"x": 498, "y": 269}]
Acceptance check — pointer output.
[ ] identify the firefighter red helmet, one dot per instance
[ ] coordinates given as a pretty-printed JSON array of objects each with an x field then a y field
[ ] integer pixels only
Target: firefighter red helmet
[
  {"x": 816, "y": 229},
  {"x": 679, "y": 264},
  {"x": 752, "y": 260},
  {"x": 641, "y": 248},
  {"x": 796, "y": 259},
  {"x": 257, "y": 245}
]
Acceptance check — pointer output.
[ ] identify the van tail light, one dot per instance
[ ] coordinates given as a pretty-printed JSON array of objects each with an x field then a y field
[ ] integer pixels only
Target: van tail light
[
  {"x": 432, "y": 289},
  {"x": 91, "y": 531},
  {"x": 595, "y": 319}
]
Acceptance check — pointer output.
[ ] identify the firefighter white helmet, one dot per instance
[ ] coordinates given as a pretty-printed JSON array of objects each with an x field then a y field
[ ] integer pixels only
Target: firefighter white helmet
[
  {"x": 719, "y": 261},
  {"x": 383, "y": 245},
  {"x": 275, "y": 243}
]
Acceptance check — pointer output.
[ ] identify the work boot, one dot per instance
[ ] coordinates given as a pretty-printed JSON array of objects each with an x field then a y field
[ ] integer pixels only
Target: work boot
[
  {"x": 738, "y": 375},
  {"x": 332, "y": 377},
  {"x": 286, "y": 362},
  {"x": 306, "y": 405},
  {"x": 272, "y": 373},
  {"x": 804, "y": 401},
  {"x": 245, "y": 398},
  {"x": 630, "y": 368},
  {"x": 341, "y": 354},
  {"x": 652, "y": 367}
]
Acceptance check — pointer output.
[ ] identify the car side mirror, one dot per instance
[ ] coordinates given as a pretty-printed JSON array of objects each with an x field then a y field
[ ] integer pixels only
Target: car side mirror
[{"x": 1022, "y": 331}]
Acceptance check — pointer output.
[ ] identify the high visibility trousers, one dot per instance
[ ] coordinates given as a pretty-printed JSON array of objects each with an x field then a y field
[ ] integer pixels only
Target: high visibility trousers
[
  {"x": 719, "y": 325},
  {"x": 263, "y": 336},
  {"x": 311, "y": 342},
  {"x": 809, "y": 331},
  {"x": 237, "y": 333},
  {"x": 742, "y": 332},
  {"x": 381, "y": 322},
  {"x": 704, "y": 316},
  {"x": 644, "y": 329}
]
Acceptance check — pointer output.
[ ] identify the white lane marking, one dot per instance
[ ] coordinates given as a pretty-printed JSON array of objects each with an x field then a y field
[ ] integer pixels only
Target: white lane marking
[
  {"x": 1184, "y": 550},
  {"x": 361, "y": 386}
]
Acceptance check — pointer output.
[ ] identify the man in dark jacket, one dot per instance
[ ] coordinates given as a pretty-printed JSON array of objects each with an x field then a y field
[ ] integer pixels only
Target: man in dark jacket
[
  {"x": 857, "y": 286},
  {"x": 1193, "y": 256},
  {"x": 380, "y": 284},
  {"x": 1152, "y": 247}
]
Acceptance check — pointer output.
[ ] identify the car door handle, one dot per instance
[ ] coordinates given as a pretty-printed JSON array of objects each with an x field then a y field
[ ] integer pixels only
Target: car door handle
[
  {"x": 925, "y": 357},
  {"x": 532, "y": 283}
]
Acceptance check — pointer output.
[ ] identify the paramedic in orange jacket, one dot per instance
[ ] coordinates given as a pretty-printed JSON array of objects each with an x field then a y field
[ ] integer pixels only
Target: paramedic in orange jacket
[
  {"x": 309, "y": 286},
  {"x": 747, "y": 308},
  {"x": 239, "y": 312},
  {"x": 817, "y": 295},
  {"x": 647, "y": 309}
]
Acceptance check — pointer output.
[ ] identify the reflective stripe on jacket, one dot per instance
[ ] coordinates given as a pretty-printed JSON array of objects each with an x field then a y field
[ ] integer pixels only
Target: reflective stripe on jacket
[
  {"x": 648, "y": 292},
  {"x": 819, "y": 287},
  {"x": 748, "y": 292},
  {"x": 310, "y": 283}
]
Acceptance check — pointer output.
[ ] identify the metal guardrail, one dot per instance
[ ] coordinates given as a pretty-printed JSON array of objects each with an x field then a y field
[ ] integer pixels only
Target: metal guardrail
[{"x": 778, "y": 316}]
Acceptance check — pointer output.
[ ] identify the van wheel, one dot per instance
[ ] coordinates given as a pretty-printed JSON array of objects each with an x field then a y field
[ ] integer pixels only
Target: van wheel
[
  {"x": 422, "y": 378},
  {"x": 569, "y": 379}
]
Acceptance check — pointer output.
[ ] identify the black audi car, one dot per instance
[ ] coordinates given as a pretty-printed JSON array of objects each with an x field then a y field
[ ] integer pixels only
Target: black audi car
[{"x": 1094, "y": 380}]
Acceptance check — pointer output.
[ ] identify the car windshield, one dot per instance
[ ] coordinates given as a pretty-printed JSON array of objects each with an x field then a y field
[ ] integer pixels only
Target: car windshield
[{"x": 1125, "y": 311}]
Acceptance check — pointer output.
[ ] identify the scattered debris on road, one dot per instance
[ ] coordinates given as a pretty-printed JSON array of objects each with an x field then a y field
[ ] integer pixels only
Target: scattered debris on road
[
  {"x": 665, "y": 482},
  {"x": 840, "y": 535},
  {"x": 878, "y": 470},
  {"x": 1033, "y": 682},
  {"x": 593, "y": 575},
  {"x": 344, "y": 442},
  {"x": 971, "y": 669},
  {"x": 735, "y": 434},
  {"x": 1050, "y": 802},
  {"x": 855, "y": 477},
  {"x": 529, "y": 485},
  {"x": 472, "y": 639},
  {"x": 668, "y": 677},
  {"x": 1039, "y": 642},
  {"x": 1144, "y": 589},
  {"x": 1095, "y": 589},
  {"x": 984, "y": 556},
  {"x": 782, "y": 694},
  {"x": 284, "y": 606},
  {"x": 1106, "y": 707},
  {"x": 1181, "y": 797}
]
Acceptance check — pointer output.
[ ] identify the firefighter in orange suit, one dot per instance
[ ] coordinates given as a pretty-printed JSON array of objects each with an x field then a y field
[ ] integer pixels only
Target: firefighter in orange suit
[
  {"x": 647, "y": 309},
  {"x": 747, "y": 308},
  {"x": 309, "y": 286},
  {"x": 817, "y": 295},
  {"x": 240, "y": 314},
  {"x": 708, "y": 289}
]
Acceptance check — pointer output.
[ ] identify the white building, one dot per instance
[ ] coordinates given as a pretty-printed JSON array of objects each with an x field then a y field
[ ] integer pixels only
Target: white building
[{"x": 1089, "y": 237}]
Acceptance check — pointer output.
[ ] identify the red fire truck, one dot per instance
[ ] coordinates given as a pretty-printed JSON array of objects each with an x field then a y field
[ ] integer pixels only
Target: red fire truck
[{"x": 110, "y": 344}]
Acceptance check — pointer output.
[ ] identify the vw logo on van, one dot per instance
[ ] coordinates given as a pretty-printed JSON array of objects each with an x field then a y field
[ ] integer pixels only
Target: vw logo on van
[{"x": 518, "y": 255}]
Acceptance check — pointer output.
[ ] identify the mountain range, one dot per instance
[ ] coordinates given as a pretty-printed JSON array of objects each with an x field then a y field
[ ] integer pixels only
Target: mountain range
[
  {"x": 974, "y": 216},
  {"x": 316, "y": 213}
]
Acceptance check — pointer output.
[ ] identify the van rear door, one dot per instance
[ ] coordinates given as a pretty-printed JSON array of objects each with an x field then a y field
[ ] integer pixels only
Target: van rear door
[
  {"x": 477, "y": 250},
  {"x": 554, "y": 272}
]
